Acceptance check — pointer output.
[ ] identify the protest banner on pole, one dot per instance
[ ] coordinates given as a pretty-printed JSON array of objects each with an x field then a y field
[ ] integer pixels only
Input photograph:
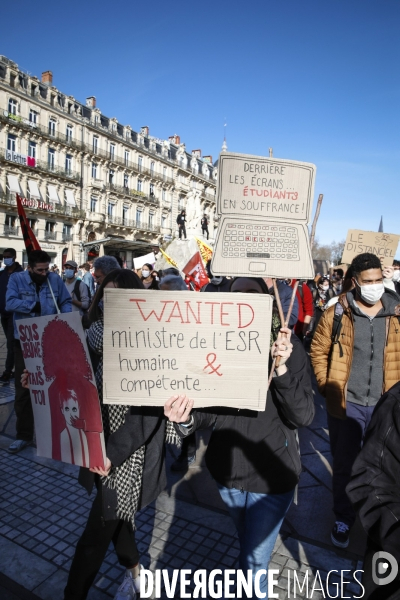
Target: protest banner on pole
[
  {"x": 383, "y": 245},
  {"x": 212, "y": 347},
  {"x": 64, "y": 397},
  {"x": 139, "y": 261},
  {"x": 265, "y": 206}
]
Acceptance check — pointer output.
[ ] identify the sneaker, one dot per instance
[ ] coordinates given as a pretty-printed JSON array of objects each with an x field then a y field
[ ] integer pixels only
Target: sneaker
[
  {"x": 18, "y": 445},
  {"x": 5, "y": 378},
  {"x": 182, "y": 463},
  {"x": 126, "y": 590},
  {"x": 136, "y": 585},
  {"x": 340, "y": 534}
]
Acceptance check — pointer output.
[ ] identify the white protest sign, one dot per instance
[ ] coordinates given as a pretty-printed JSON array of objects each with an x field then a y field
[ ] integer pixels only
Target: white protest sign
[
  {"x": 64, "y": 397},
  {"x": 212, "y": 347},
  {"x": 265, "y": 205},
  {"x": 383, "y": 245},
  {"x": 139, "y": 261}
]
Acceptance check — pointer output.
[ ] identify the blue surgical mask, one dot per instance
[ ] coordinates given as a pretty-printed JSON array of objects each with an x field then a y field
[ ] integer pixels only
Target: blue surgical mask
[
  {"x": 69, "y": 273},
  {"x": 8, "y": 261}
]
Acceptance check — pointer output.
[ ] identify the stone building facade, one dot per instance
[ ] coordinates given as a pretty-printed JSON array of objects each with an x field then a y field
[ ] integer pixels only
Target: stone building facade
[{"x": 89, "y": 184}]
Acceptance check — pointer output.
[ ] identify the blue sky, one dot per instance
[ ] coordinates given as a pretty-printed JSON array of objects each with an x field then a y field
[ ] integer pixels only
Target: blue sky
[{"x": 316, "y": 80}]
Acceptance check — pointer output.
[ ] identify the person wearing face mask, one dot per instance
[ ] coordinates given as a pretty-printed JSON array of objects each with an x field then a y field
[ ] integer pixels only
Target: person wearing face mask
[
  {"x": 78, "y": 289},
  {"x": 321, "y": 296},
  {"x": 10, "y": 267},
  {"x": 32, "y": 293},
  {"x": 355, "y": 356},
  {"x": 149, "y": 277}
]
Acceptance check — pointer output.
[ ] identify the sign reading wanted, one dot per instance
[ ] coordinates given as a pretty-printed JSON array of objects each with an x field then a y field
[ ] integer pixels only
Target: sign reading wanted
[
  {"x": 384, "y": 245},
  {"x": 265, "y": 205},
  {"x": 212, "y": 347}
]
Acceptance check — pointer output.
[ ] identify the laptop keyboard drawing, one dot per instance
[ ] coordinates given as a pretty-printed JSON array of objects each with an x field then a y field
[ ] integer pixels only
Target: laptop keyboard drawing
[{"x": 272, "y": 241}]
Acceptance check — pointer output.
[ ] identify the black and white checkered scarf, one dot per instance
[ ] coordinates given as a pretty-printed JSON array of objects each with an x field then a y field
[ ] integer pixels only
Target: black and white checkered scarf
[{"x": 127, "y": 478}]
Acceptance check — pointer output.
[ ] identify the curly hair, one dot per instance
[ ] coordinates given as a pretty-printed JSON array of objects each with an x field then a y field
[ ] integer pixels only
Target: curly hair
[{"x": 365, "y": 261}]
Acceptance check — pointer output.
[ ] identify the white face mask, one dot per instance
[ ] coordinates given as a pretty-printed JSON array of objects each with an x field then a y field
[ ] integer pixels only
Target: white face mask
[
  {"x": 396, "y": 275},
  {"x": 145, "y": 274},
  {"x": 371, "y": 294},
  {"x": 325, "y": 287}
]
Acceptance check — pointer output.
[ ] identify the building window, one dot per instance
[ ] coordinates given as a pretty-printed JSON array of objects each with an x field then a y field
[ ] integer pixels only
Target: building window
[
  {"x": 33, "y": 116},
  {"x": 12, "y": 106},
  {"x": 125, "y": 214},
  {"x": 68, "y": 133},
  {"x": 32, "y": 149},
  {"x": 139, "y": 185},
  {"x": 50, "y": 227},
  {"x": 67, "y": 232},
  {"x": 32, "y": 224},
  {"x": 93, "y": 204},
  {"x": 126, "y": 180},
  {"x": 138, "y": 216},
  {"x": 163, "y": 221},
  {"x": 140, "y": 163},
  {"x": 110, "y": 209},
  {"x": 152, "y": 189},
  {"x": 151, "y": 219},
  {"x": 165, "y": 173},
  {"x": 95, "y": 144},
  {"x": 10, "y": 225},
  {"x": 163, "y": 194},
  {"x": 112, "y": 151},
  {"x": 126, "y": 157},
  {"x": 94, "y": 170},
  {"x": 11, "y": 143},
  {"x": 152, "y": 165},
  {"x": 52, "y": 127},
  {"x": 111, "y": 176},
  {"x": 68, "y": 163},
  {"x": 51, "y": 158}
]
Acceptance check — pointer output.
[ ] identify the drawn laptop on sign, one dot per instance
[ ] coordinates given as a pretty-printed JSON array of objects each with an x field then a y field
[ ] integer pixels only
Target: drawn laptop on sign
[{"x": 265, "y": 205}]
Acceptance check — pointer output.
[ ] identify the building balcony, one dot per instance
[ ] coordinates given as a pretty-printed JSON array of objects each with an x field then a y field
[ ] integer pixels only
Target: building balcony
[
  {"x": 10, "y": 230},
  {"x": 8, "y": 199},
  {"x": 123, "y": 222},
  {"x": 42, "y": 166},
  {"x": 50, "y": 235},
  {"x": 67, "y": 237},
  {"x": 41, "y": 130},
  {"x": 119, "y": 189}
]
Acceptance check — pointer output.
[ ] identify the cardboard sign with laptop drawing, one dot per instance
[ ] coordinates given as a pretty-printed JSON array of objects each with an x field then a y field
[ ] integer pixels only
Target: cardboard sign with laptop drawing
[{"x": 265, "y": 206}]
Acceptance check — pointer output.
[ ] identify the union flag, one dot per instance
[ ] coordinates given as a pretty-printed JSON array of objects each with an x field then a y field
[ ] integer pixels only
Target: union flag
[{"x": 195, "y": 272}]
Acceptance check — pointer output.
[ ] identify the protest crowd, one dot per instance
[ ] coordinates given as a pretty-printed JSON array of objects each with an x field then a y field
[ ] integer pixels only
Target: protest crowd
[{"x": 342, "y": 327}]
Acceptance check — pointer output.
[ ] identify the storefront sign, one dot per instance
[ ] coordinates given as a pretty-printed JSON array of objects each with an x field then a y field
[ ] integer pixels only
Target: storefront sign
[
  {"x": 21, "y": 159},
  {"x": 37, "y": 204}
]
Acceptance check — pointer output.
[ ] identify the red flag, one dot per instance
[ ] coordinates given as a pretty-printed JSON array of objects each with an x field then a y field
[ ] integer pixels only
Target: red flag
[
  {"x": 195, "y": 271},
  {"x": 30, "y": 240}
]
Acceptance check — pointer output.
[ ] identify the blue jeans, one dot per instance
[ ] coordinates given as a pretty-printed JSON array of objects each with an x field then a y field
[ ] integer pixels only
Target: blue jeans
[{"x": 258, "y": 519}]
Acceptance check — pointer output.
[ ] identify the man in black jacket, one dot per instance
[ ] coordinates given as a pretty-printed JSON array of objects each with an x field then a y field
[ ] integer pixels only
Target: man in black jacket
[
  {"x": 374, "y": 490},
  {"x": 11, "y": 266},
  {"x": 181, "y": 220}
]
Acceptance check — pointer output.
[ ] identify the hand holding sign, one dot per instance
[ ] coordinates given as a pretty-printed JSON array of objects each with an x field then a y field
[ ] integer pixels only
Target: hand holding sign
[{"x": 178, "y": 408}]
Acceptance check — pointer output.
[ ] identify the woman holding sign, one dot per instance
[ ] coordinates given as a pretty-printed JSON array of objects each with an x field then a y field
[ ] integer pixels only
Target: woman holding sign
[
  {"x": 254, "y": 456},
  {"x": 133, "y": 476}
]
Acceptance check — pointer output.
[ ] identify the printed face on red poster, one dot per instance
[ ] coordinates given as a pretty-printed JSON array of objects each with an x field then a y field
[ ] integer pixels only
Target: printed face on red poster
[
  {"x": 64, "y": 397},
  {"x": 212, "y": 347}
]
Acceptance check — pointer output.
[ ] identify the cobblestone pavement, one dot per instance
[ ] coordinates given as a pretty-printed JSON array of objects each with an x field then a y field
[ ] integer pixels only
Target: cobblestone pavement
[{"x": 43, "y": 511}]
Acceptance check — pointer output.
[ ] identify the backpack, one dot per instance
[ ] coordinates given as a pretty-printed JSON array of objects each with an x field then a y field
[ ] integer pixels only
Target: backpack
[
  {"x": 336, "y": 329},
  {"x": 77, "y": 292}
]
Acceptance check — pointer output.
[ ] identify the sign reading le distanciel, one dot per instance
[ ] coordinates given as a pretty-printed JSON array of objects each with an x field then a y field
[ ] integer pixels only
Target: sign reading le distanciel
[{"x": 212, "y": 347}]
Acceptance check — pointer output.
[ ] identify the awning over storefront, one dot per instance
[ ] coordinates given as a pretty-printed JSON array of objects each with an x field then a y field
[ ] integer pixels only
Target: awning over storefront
[
  {"x": 137, "y": 246},
  {"x": 13, "y": 184},
  {"x": 53, "y": 194},
  {"x": 70, "y": 198},
  {"x": 33, "y": 189}
]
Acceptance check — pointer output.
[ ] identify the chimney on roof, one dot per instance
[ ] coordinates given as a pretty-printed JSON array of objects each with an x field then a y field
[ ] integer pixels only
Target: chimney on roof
[
  {"x": 91, "y": 102},
  {"x": 47, "y": 77},
  {"x": 175, "y": 139},
  {"x": 196, "y": 153},
  {"x": 145, "y": 131}
]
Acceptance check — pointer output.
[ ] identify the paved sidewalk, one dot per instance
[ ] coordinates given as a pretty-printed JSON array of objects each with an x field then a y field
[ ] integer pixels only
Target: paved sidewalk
[{"x": 43, "y": 511}]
